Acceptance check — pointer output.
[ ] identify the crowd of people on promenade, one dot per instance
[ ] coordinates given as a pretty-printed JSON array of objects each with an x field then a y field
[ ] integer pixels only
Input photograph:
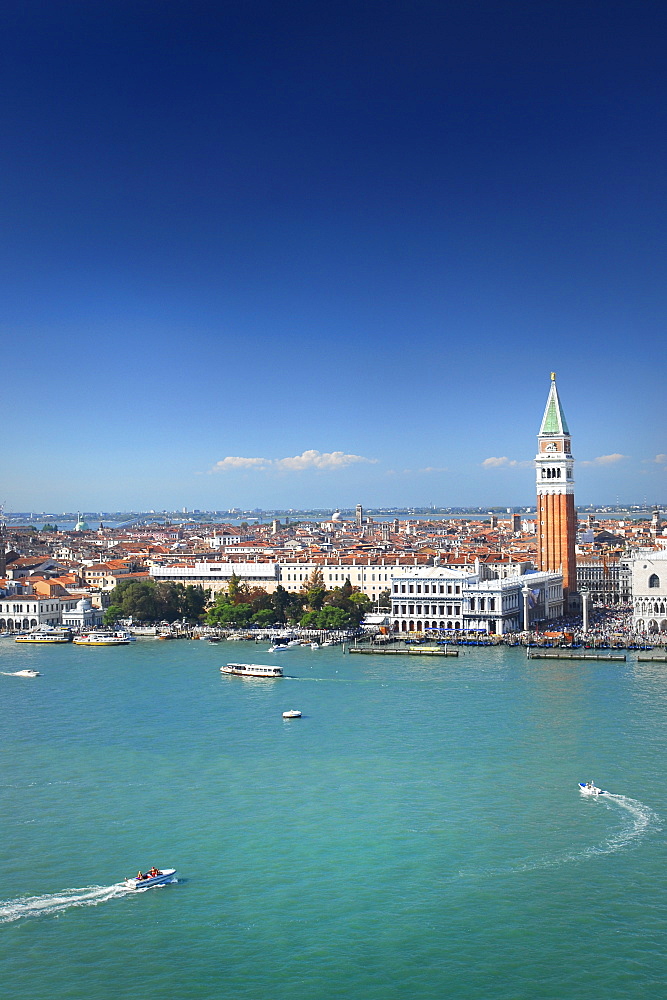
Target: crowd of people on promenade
[{"x": 607, "y": 623}]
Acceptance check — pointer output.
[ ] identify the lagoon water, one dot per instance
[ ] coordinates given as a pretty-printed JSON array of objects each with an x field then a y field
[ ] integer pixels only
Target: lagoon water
[{"x": 417, "y": 834}]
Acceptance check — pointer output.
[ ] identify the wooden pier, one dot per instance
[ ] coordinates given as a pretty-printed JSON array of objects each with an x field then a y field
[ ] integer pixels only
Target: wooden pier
[
  {"x": 652, "y": 657},
  {"x": 565, "y": 654},
  {"x": 410, "y": 650}
]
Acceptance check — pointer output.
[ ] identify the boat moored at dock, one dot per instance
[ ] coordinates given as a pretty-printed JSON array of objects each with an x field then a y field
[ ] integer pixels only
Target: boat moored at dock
[{"x": 46, "y": 634}]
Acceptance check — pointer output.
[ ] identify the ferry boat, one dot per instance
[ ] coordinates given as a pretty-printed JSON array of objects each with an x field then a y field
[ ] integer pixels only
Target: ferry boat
[
  {"x": 101, "y": 637},
  {"x": 251, "y": 670},
  {"x": 46, "y": 633}
]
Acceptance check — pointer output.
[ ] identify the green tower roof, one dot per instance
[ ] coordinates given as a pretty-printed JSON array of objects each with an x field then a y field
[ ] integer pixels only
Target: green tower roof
[{"x": 553, "y": 421}]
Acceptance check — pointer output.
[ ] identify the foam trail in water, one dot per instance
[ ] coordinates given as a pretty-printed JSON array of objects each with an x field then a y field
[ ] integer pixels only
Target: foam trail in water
[
  {"x": 57, "y": 902},
  {"x": 639, "y": 819}
]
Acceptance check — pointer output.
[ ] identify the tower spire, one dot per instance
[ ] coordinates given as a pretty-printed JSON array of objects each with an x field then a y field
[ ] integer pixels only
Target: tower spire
[{"x": 553, "y": 421}]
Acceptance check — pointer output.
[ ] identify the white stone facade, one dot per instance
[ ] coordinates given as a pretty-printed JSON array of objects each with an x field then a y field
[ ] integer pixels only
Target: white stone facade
[
  {"x": 428, "y": 598},
  {"x": 649, "y": 591}
]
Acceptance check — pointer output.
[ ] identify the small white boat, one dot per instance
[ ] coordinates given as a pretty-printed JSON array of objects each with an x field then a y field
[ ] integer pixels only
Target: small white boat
[
  {"x": 590, "y": 788},
  {"x": 277, "y": 648},
  {"x": 26, "y": 673},
  {"x": 328, "y": 643},
  {"x": 314, "y": 645},
  {"x": 251, "y": 670},
  {"x": 148, "y": 881},
  {"x": 292, "y": 713}
]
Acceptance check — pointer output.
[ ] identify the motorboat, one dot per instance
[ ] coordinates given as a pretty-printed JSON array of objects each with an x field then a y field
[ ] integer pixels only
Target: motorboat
[
  {"x": 314, "y": 645},
  {"x": 277, "y": 647},
  {"x": 26, "y": 673},
  {"x": 251, "y": 670},
  {"x": 148, "y": 881},
  {"x": 102, "y": 637},
  {"x": 292, "y": 713},
  {"x": 590, "y": 788}
]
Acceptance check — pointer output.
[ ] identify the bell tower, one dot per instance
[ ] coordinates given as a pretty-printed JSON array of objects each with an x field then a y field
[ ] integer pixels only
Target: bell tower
[{"x": 556, "y": 516}]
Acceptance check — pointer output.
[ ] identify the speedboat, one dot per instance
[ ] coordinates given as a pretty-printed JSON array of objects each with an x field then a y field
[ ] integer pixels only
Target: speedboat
[
  {"x": 292, "y": 713},
  {"x": 590, "y": 788},
  {"x": 26, "y": 673},
  {"x": 148, "y": 881},
  {"x": 314, "y": 645},
  {"x": 277, "y": 648}
]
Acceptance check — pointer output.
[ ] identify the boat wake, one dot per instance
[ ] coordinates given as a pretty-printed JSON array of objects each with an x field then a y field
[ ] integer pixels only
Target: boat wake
[
  {"x": 638, "y": 820},
  {"x": 57, "y": 902}
]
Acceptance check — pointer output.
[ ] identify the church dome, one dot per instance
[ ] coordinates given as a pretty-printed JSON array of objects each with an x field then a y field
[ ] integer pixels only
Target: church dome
[
  {"x": 335, "y": 516},
  {"x": 81, "y": 525}
]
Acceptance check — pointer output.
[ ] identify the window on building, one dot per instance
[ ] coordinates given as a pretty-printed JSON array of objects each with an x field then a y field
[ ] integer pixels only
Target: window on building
[{"x": 653, "y": 580}]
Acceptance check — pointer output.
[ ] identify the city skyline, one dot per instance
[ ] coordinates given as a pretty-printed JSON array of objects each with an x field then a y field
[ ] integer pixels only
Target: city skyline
[{"x": 297, "y": 256}]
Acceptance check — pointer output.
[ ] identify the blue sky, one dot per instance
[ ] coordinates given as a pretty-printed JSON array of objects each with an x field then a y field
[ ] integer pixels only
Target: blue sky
[{"x": 312, "y": 254}]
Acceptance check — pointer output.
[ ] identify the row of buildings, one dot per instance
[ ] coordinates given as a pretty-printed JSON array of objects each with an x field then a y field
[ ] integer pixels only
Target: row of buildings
[{"x": 508, "y": 570}]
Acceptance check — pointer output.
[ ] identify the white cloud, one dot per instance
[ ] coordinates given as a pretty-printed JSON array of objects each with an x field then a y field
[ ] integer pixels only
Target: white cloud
[
  {"x": 432, "y": 468},
  {"x": 504, "y": 463},
  {"x": 234, "y": 462},
  {"x": 311, "y": 459},
  {"x": 605, "y": 459},
  {"x": 496, "y": 463},
  {"x": 660, "y": 459}
]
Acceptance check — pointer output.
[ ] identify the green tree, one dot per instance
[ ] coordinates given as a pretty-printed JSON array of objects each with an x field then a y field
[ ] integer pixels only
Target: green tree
[
  {"x": 264, "y": 617},
  {"x": 112, "y": 614},
  {"x": 234, "y": 588},
  {"x": 316, "y": 598},
  {"x": 384, "y": 598}
]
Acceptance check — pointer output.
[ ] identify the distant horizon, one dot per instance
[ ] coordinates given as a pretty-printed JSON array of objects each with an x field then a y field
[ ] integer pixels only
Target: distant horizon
[{"x": 256, "y": 513}]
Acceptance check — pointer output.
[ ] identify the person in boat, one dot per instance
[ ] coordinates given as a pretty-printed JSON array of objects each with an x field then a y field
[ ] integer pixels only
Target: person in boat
[{"x": 140, "y": 875}]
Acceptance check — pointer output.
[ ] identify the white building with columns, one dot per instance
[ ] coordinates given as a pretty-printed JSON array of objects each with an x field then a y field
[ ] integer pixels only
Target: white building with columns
[{"x": 434, "y": 597}]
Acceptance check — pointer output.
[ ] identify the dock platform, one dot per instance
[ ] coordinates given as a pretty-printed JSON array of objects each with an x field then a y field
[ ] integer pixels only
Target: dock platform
[
  {"x": 410, "y": 650},
  {"x": 652, "y": 657},
  {"x": 562, "y": 654}
]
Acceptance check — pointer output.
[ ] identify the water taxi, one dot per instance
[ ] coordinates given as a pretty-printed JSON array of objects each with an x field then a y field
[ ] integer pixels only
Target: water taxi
[
  {"x": 292, "y": 713},
  {"x": 46, "y": 633},
  {"x": 251, "y": 670},
  {"x": 101, "y": 637}
]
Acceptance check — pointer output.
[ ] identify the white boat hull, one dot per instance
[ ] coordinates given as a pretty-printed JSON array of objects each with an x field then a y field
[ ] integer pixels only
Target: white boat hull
[
  {"x": 251, "y": 670},
  {"x": 166, "y": 875},
  {"x": 587, "y": 788}
]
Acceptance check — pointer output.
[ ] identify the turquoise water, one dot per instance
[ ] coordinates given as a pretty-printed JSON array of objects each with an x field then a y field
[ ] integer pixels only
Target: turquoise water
[{"x": 417, "y": 834}]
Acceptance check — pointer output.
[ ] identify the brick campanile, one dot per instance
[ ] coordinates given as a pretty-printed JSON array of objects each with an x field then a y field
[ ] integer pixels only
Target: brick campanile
[{"x": 556, "y": 516}]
